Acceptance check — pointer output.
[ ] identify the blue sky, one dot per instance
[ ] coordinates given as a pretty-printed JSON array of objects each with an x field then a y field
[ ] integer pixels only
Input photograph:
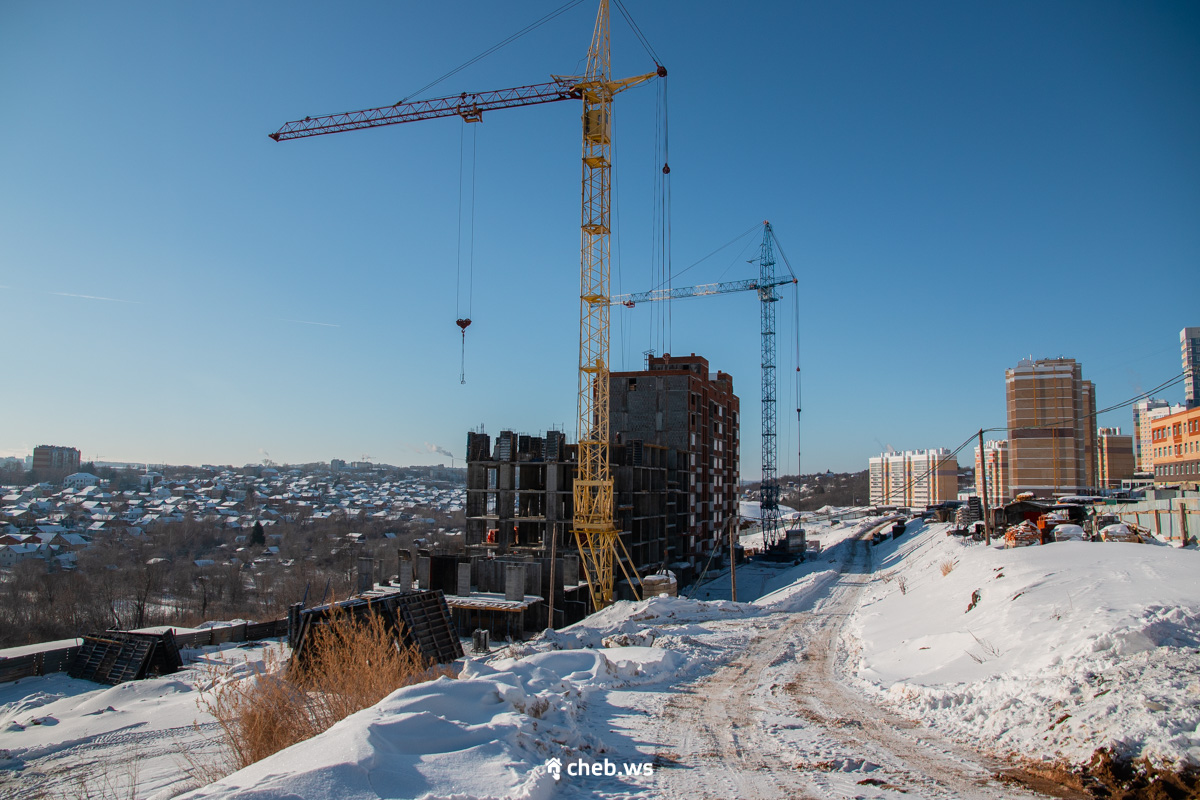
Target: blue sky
[{"x": 956, "y": 185}]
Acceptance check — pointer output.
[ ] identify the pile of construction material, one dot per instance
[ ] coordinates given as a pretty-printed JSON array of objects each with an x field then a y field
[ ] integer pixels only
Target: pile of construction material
[
  {"x": 1119, "y": 533},
  {"x": 659, "y": 584},
  {"x": 1022, "y": 535}
]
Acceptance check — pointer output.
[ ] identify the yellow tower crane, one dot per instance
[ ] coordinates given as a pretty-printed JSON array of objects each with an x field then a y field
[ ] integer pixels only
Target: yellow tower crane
[{"x": 596, "y": 535}]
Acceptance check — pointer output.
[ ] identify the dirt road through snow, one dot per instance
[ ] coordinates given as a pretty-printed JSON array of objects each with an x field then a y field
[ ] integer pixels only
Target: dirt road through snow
[{"x": 777, "y": 722}]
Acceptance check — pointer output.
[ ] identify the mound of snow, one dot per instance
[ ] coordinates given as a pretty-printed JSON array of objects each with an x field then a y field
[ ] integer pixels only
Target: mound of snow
[{"x": 1054, "y": 649}]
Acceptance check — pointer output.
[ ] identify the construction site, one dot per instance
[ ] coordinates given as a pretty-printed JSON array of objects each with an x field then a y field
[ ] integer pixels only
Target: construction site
[{"x": 643, "y": 497}]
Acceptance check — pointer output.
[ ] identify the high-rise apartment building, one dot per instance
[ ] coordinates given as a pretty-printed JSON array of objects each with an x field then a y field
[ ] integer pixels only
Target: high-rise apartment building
[
  {"x": 51, "y": 462},
  {"x": 1052, "y": 428},
  {"x": 676, "y": 403},
  {"x": 1143, "y": 452},
  {"x": 914, "y": 478},
  {"x": 1114, "y": 458},
  {"x": 1189, "y": 345},
  {"x": 992, "y": 463}
]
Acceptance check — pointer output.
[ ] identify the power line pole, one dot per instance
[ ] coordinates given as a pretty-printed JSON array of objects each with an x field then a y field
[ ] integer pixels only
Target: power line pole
[
  {"x": 987, "y": 524},
  {"x": 732, "y": 561}
]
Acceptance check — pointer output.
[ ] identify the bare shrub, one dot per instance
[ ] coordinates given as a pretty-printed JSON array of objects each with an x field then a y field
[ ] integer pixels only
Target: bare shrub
[
  {"x": 348, "y": 665},
  {"x": 947, "y": 566},
  {"x": 902, "y": 583}
]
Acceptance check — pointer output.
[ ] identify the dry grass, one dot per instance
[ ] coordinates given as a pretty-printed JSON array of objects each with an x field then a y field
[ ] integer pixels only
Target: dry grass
[
  {"x": 947, "y": 566},
  {"x": 347, "y": 667},
  {"x": 902, "y": 584}
]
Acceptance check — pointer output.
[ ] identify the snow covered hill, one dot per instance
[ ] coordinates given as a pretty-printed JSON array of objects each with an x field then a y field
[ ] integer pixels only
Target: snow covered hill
[{"x": 1065, "y": 648}]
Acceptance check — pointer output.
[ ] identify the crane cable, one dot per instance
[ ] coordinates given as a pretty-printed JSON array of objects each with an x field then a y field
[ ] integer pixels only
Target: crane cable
[
  {"x": 503, "y": 43},
  {"x": 462, "y": 321}
]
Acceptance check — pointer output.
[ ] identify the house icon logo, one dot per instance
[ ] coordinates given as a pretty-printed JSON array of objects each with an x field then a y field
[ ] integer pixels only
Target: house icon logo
[{"x": 554, "y": 767}]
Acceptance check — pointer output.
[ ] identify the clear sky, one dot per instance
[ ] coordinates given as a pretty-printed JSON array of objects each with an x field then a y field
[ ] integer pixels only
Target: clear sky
[{"x": 957, "y": 186}]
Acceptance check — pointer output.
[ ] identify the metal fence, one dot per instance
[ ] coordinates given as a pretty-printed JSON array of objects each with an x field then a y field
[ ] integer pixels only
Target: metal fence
[
  {"x": 58, "y": 659},
  {"x": 1176, "y": 520}
]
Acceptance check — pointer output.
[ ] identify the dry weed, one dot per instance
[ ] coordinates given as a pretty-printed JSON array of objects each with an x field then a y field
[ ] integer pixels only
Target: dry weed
[
  {"x": 947, "y": 566},
  {"x": 348, "y": 665},
  {"x": 902, "y": 584}
]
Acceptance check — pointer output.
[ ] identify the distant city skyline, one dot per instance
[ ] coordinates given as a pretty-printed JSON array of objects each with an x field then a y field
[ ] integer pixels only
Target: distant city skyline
[{"x": 956, "y": 187}]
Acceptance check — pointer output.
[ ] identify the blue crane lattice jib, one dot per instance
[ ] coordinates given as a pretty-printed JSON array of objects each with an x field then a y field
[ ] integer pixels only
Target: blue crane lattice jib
[{"x": 703, "y": 290}]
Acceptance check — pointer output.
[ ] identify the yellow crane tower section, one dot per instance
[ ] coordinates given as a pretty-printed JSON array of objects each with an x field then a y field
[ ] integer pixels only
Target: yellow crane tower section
[{"x": 595, "y": 532}]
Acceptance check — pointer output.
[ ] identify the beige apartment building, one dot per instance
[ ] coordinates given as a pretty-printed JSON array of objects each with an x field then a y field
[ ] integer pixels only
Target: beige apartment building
[
  {"x": 914, "y": 478},
  {"x": 993, "y": 463},
  {"x": 1052, "y": 428}
]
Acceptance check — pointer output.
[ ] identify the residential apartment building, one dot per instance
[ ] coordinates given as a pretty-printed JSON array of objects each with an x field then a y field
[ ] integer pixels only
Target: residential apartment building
[
  {"x": 1114, "y": 458},
  {"x": 992, "y": 464},
  {"x": 1142, "y": 451},
  {"x": 1176, "y": 442},
  {"x": 1052, "y": 428},
  {"x": 1189, "y": 345},
  {"x": 914, "y": 478},
  {"x": 51, "y": 462},
  {"x": 678, "y": 404}
]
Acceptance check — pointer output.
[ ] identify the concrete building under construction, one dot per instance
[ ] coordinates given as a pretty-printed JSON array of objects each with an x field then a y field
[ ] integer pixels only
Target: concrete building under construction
[
  {"x": 676, "y": 403},
  {"x": 674, "y": 465}
]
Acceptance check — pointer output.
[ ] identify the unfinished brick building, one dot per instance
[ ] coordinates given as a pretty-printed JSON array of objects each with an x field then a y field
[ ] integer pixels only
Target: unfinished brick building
[{"x": 678, "y": 404}]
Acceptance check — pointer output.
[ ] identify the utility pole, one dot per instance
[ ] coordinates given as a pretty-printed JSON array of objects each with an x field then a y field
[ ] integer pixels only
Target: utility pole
[
  {"x": 553, "y": 552},
  {"x": 987, "y": 525},
  {"x": 732, "y": 561}
]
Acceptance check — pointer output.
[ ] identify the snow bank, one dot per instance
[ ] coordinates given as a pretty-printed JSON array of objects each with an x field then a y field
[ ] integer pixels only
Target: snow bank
[
  {"x": 490, "y": 732},
  {"x": 1052, "y": 650}
]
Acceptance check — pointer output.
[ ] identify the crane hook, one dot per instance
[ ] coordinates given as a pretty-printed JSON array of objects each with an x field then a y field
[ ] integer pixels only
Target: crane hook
[{"x": 463, "y": 323}]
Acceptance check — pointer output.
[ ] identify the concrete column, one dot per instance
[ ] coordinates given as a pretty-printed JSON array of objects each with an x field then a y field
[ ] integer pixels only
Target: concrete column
[
  {"x": 514, "y": 582},
  {"x": 570, "y": 570},
  {"x": 366, "y": 574},
  {"x": 423, "y": 572},
  {"x": 406, "y": 574},
  {"x": 464, "y": 579}
]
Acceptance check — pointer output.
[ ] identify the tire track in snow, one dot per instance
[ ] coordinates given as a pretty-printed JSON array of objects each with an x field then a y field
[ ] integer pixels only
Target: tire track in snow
[{"x": 774, "y": 723}]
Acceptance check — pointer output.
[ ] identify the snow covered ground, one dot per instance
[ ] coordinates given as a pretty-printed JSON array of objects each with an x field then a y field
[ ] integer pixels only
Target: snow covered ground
[
  {"x": 1065, "y": 647},
  {"x": 811, "y": 685},
  {"x": 67, "y": 738}
]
